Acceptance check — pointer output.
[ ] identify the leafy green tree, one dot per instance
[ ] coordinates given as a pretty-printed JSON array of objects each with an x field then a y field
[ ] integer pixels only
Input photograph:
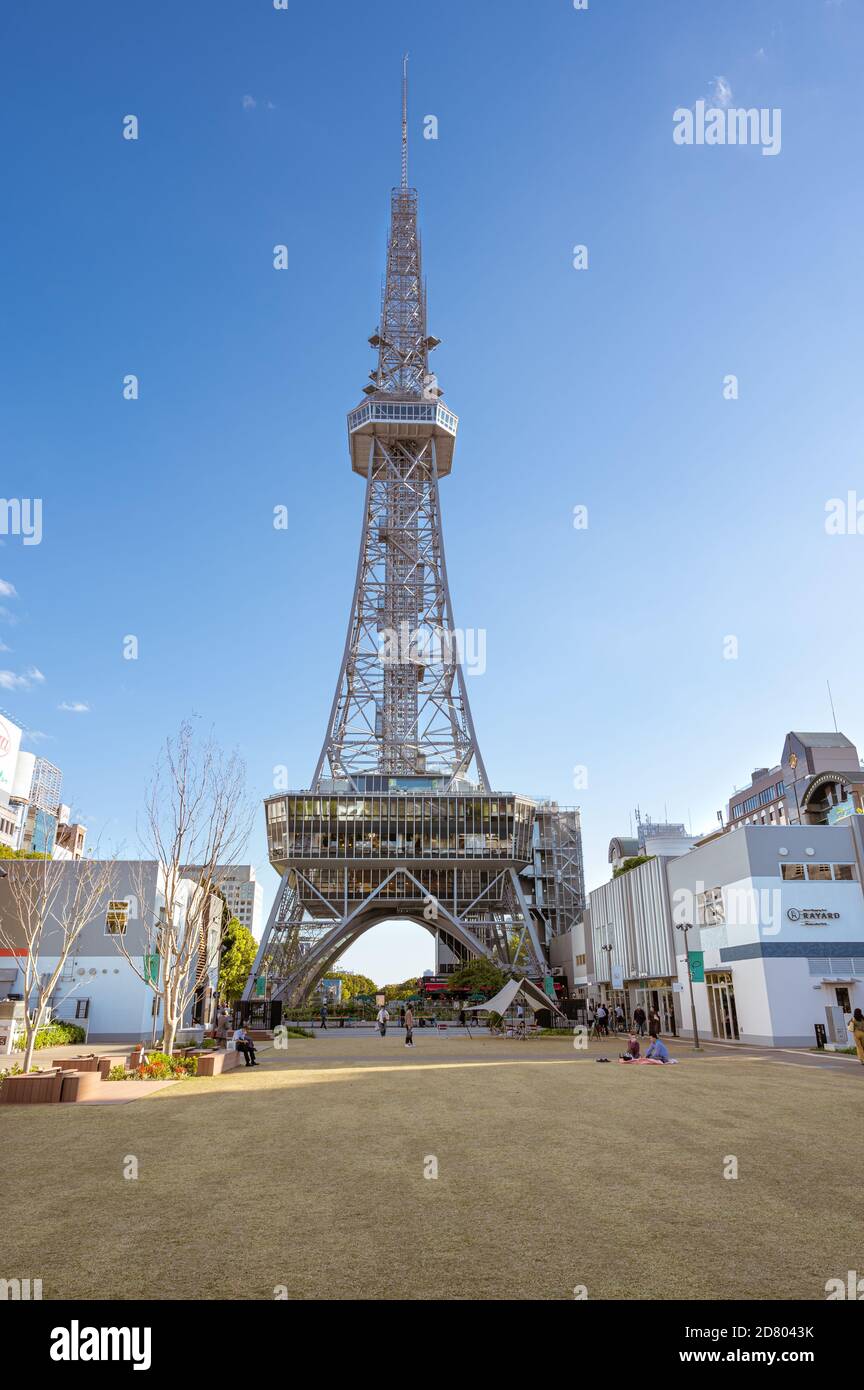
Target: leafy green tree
[
  {"x": 403, "y": 991},
  {"x": 236, "y": 958},
  {"x": 352, "y": 984},
  {"x": 478, "y": 976}
]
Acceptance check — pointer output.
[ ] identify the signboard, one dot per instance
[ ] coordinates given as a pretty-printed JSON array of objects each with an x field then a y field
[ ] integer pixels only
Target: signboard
[
  {"x": 812, "y": 916},
  {"x": 697, "y": 967},
  {"x": 617, "y": 976},
  {"x": 549, "y": 986},
  {"x": 10, "y": 742},
  {"x": 151, "y": 969},
  {"x": 332, "y": 990},
  {"x": 842, "y": 810},
  {"x": 261, "y": 987},
  {"x": 677, "y": 987},
  {"x": 380, "y": 1000}
]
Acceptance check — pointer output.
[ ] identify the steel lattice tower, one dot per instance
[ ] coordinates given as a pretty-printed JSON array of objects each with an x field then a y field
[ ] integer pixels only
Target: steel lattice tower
[
  {"x": 401, "y": 705},
  {"x": 400, "y": 818}
]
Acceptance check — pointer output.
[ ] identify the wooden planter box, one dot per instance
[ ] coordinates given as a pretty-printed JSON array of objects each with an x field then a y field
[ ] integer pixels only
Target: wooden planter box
[
  {"x": 101, "y": 1064},
  {"x": 34, "y": 1088}
]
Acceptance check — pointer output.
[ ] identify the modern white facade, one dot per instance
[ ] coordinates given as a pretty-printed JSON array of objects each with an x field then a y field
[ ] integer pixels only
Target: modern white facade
[
  {"x": 99, "y": 989},
  {"x": 778, "y": 917}
]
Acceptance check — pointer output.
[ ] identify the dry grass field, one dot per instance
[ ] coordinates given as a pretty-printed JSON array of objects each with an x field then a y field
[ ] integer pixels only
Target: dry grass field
[{"x": 553, "y": 1172}]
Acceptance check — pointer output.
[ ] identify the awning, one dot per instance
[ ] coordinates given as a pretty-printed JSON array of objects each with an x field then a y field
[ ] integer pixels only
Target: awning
[{"x": 500, "y": 1002}]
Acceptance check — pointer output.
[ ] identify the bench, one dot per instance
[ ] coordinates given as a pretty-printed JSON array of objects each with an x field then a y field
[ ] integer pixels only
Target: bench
[
  {"x": 80, "y": 1085},
  {"x": 212, "y": 1063}
]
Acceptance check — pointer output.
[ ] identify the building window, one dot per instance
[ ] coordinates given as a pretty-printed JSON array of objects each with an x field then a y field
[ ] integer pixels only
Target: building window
[
  {"x": 819, "y": 872},
  {"x": 845, "y": 873},
  {"x": 795, "y": 871},
  {"x": 710, "y": 907},
  {"x": 117, "y": 918}
]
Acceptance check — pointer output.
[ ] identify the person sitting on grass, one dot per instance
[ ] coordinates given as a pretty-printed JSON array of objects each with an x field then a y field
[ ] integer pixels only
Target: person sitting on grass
[
  {"x": 658, "y": 1051},
  {"x": 632, "y": 1049}
]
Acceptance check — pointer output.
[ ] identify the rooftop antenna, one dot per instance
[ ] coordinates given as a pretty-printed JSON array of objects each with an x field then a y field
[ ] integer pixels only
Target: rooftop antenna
[
  {"x": 405, "y": 121},
  {"x": 833, "y": 715}
]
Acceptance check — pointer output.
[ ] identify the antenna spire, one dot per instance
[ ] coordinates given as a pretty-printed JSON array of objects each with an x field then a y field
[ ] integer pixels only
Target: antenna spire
[{"x": 405, "y": 121}]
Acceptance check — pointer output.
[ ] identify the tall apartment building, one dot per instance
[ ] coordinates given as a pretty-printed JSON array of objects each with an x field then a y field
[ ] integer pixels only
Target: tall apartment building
[
  {"x": 243, "y": 894},
  {"x": 46, "y": 785}
]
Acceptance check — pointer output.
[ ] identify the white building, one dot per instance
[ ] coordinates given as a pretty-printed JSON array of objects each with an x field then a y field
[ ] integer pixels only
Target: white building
[
  {"x": 778, "y": 939},
  {"x": 99, "y": 989}
]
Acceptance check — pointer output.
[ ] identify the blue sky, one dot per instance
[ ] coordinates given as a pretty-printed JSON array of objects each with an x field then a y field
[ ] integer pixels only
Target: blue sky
[{"x": 603, "y": 388}]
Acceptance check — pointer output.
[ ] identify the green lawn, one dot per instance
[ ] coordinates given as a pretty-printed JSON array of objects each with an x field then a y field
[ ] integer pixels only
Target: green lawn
[{"x": 552, "y": 1172}]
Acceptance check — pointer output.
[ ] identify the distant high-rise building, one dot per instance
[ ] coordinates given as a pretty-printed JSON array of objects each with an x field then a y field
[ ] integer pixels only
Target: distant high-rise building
[
  {"x": 243, "y": 894},
  {"x": 46, "y": 785}
]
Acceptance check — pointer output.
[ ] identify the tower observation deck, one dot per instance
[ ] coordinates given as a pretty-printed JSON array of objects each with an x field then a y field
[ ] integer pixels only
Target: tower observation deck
[{"x": 400, "y": 818}]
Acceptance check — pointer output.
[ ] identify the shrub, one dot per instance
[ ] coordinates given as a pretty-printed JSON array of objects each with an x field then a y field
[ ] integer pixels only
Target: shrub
[
  {"x": 119, "y": 1073},
  {"x": 160, "y": 1067},
  {"x": 59, "y": 1034}
]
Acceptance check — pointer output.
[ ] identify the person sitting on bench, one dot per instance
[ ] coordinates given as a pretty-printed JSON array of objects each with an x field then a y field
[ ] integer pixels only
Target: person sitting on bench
[{"x": 244, "y": 1044}]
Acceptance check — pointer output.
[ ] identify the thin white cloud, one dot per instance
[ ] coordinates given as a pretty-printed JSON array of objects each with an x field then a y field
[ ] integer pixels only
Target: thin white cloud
[
  {"x": 721, "y": 91},
  {"x": 74, "y": 707},
  {"x": 34, "y": 674},
  {"x": 35, "y": 736},
  {"x": 10, "y": 680},
  {"x": 249, "y": 103},
  {"x": 7, "y": 590}
]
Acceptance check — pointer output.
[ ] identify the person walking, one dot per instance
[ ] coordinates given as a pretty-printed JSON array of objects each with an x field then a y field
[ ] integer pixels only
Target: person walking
[
  {"x": 402, "y": 1016},
  {"x": 856, "y": 1028},
  {"x": 409, "y": 1026},
  {"x": 639, "y": 1021},
  {"x": 601, "y": 1020},
  {"x": 619, "y": 1019},
  {"x": 323, "y": 1015},
  {"x": 383, "y": 1019},
  {"x": 654, "y": 1023}
]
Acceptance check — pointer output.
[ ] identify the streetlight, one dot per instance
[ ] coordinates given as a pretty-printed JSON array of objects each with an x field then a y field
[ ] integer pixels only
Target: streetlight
[
  {"x": 609, "y": 948},
  {"x": 688, "y": 927}
]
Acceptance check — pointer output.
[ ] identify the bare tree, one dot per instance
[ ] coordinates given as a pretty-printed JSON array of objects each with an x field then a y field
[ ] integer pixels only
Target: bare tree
[
  {"x": 52, "y": 902},
  {"x": 198, "y": 822}
]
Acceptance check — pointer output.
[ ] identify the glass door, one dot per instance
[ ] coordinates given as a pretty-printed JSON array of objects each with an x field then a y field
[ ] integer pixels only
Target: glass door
[{"x": 721, "y": 999}]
